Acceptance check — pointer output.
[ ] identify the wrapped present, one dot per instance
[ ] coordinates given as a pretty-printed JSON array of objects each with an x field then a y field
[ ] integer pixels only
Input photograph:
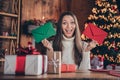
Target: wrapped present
[
  {"x": 36, "y": 64},
  {"x": 68, "y": 68},
  {"x": 54, "y": 64},
  {"x": 25, "y": 65},
  {"x": 117, "y": 67},
  {"x": 97, "y": 62},
  {"x": 110, "y": 67},
  {"x": 10, "y": 64}
]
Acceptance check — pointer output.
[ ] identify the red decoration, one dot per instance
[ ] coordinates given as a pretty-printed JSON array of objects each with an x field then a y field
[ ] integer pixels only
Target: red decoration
[
  {"x": 113, "y": 8},
  {"x": 68, "y": 68},
  {"x": 114, "y": 73},
  {"x": 95, "y": 33},
  {"x": 28, "y": 50}
]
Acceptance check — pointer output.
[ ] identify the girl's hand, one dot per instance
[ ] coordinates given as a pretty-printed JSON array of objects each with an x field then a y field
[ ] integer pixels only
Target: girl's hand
[
  {"x": 47, "y": 44},
  {"x": 93, "y": 44}
]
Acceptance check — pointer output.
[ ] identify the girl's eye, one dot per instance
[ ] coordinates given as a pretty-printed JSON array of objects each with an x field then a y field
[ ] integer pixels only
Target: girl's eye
[
  {"x": 64, "y": 23},
  {"x": 73, "y": 22}
]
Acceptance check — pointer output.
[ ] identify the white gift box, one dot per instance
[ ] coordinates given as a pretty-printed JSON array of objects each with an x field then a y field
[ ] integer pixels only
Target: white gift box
[
  {"x": 109, "y": 67},
  {"x": 96, "y": 63},
  {"x": 33, "y": 64},
  {"x": 10, "y": 64},
  {"x": 117, "y": 67}
]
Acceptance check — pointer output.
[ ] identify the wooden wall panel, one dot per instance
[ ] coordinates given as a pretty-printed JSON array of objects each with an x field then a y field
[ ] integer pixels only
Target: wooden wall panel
[
  {"x": 82, "y": 9},
  {"x": 38, "y": 8},
  {"x": 53, "y": 8}
]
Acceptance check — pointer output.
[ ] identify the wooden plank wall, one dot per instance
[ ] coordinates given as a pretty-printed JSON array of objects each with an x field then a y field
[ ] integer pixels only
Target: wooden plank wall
[
  {"x": 50, "y": 9},
  {"x": 82, "y": 9}
]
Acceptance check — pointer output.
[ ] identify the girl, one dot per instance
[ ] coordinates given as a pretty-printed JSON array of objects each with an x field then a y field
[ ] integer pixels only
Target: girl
[{"x": 68, "y": 41}]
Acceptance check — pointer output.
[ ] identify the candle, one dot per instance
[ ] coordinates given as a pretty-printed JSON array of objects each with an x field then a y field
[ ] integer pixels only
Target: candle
[{"x": 43, "y": 20}]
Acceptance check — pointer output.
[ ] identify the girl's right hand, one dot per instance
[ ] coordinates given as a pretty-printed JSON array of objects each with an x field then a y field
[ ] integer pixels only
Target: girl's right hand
[{"x": 47, "y": 44}]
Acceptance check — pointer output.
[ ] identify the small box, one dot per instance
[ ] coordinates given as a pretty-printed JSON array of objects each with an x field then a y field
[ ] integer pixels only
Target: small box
[
  {"x": 68, "y": 68},
  {"x": 54, "y": 63},
  {"x": 110, "y": 67},
  {"x": 117, "y": 67}
]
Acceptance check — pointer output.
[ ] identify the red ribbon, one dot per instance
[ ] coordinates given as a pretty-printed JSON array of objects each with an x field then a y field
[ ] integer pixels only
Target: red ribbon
[
  {"x": 101, "y": 59},
  {"x": 20, "y": 65},
  {"x": 27, "y": 51},
  {"x": 113, "y": 66}
]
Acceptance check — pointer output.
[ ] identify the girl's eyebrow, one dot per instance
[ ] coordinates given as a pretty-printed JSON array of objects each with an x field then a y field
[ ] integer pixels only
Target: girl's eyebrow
[{"x": 64, "y": 20}]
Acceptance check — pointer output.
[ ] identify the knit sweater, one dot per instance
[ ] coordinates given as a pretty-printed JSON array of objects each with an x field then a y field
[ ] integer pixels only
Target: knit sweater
[
  {"x": 68, "y": 53},
  {"x": 68, "y": 50}
]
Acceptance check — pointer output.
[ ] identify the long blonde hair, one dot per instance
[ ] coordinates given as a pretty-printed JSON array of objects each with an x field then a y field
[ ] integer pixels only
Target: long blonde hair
[{"x": 57, "y": 43}]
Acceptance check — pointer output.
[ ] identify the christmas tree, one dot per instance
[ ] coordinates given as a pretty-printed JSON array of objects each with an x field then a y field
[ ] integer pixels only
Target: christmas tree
[{"x": 106, "y": 16}]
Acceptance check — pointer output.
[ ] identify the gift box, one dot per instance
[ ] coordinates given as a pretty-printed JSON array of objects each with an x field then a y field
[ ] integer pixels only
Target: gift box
[
  {"x": 68, "y": 68},
  {"x": 25, "y": 65},
  {"x": 36, "y": 64},
  {"x": 117, "y": 67},
  {"x": 97, "y": 62},
  {"x": 54, "y": 63},
  {"x": 110, "y": 67}
]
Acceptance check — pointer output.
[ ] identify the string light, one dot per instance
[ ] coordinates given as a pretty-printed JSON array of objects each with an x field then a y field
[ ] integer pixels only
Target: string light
[{"x": 107, "y": 17}]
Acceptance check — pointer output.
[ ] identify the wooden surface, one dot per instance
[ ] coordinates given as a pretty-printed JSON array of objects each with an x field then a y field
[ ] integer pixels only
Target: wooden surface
[
  {"x": 50, "y": 9},
  {"x": 79, "y": 75},
  {"x": 53, "y": 8}
]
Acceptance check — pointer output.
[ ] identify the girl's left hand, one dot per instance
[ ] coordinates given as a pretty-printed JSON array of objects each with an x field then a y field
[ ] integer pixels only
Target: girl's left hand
[{"x": 93, "y": 44}]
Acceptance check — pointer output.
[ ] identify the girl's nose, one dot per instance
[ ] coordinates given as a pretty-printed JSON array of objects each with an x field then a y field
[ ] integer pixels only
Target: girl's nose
[{"x": 68, "y": 25}]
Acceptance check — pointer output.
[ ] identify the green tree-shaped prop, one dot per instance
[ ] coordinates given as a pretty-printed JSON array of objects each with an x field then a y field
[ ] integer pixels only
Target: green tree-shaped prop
[{"x": 106, "y": 16}]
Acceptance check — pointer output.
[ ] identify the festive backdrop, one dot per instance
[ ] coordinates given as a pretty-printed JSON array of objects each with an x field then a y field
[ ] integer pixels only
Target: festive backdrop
[{"x": 106, "y": 15}]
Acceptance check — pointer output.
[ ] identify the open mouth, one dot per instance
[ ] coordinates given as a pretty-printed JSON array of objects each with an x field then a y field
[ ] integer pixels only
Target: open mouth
[{"x": 69, "y": 31}]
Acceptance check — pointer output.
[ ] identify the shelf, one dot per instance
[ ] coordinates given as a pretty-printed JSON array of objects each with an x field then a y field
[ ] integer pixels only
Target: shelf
[
  {"x": 11, "y": 20},
  {"x": 8, "y": 14},
  {"x": 8, "y": 37}
]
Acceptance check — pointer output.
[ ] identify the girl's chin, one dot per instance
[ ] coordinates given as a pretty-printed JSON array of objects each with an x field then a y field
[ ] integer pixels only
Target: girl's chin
[{"x": 68, "y": 36}]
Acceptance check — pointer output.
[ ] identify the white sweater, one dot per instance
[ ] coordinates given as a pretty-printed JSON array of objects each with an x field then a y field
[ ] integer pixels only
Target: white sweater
[
  {"x": 68, "y": 50},
  {"x": 68, "y": 53}
]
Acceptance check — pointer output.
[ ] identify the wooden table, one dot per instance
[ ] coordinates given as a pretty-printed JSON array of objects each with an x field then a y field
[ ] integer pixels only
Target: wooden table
[{"x": 79, "y": 75}]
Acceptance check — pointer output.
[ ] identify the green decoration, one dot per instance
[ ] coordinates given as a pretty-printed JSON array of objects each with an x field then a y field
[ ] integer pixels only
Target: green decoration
[{"x": 43, "y": 32}]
